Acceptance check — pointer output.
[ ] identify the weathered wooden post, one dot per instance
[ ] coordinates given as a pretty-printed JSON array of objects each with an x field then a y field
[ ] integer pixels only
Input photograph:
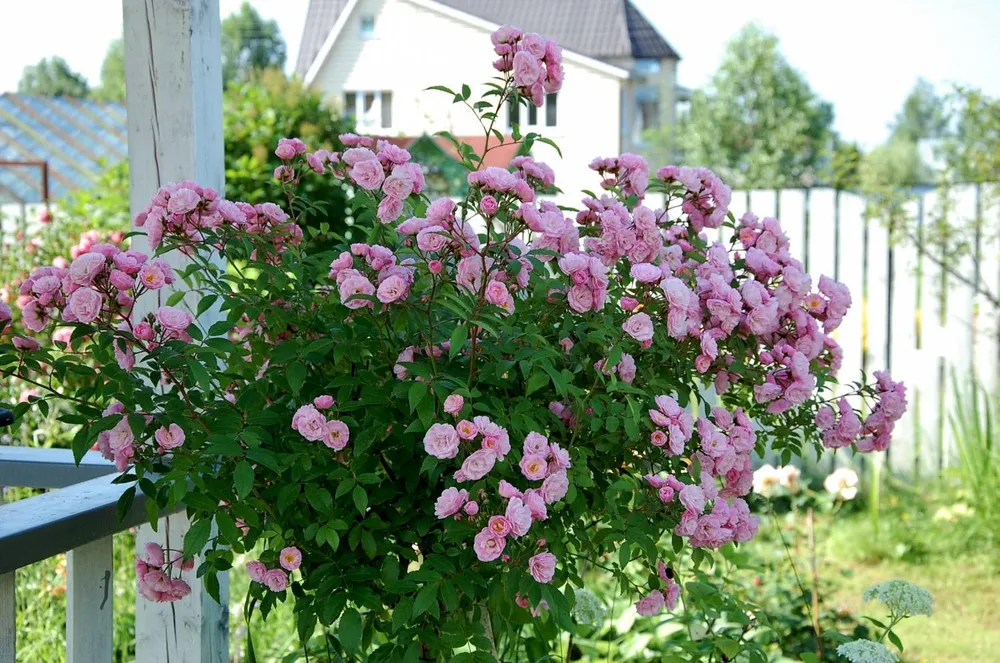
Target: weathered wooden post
[{"x": 173, "y": 73}]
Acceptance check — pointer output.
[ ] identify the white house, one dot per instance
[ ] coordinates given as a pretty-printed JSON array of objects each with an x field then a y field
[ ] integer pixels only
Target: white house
[{"x": 376, "y": 58}]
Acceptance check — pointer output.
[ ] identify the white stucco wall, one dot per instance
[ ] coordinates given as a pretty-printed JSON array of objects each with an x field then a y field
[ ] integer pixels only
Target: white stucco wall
[{"x": 414, "y": 47}]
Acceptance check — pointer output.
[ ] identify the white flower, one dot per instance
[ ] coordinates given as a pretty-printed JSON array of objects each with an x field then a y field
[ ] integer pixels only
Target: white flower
[
  {"x": 903, "y": 598},
  {"x": 766, "y": 480},
  {"x": 788, "y": 477},
  {"x": 588, "y": 609},
  {"x": 866, "y": 651},
  {"x": 842, "y": 484}
]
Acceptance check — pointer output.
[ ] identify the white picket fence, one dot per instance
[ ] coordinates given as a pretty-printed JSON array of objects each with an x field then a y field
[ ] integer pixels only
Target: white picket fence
[{"x": 909, "y": 316}]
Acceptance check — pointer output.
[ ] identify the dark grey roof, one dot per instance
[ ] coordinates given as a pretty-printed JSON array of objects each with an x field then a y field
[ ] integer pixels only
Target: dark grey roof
[
  {"x": 320, "y": 18},
  {"x": 600, "y": 29}
]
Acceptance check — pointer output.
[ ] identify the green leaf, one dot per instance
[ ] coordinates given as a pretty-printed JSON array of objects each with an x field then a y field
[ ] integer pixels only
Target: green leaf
[
  {"x": 360, "y": 499},
  {"x": 319, "y": 497},
  {"x": 458, "y": 339},
  {"x": 895, "y": 640},
  {"x": 466, "y": 92},
  {"x": 536, "y": 382},
  {"x": 243, "y": 478},
  {"x": 810, "y": 658},
  {"x": 296, "y": 376},
  {"x": 349, "y": 631},
  {"x": 197, "y": 537},
  {"x": 418, "y": 391},
  {"x": 729, "y": 647},
  {"x": 175, "y": 298},
  {"x": 425, "y": 598}
]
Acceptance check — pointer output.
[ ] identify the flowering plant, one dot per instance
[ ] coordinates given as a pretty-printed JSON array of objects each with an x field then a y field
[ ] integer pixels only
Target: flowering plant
[{"x": 423, "y": 435}]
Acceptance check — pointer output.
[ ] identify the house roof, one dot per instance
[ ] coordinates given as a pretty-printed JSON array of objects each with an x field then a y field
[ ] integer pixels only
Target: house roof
[
  {"x": 600, "y": 29},
  {"x": 78, "y": 138}
]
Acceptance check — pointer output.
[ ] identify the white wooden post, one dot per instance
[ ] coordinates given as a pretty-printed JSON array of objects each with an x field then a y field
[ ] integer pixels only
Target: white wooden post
[
  {"x": 174, "y": 99},
  {"x": 90, "y": 602}
]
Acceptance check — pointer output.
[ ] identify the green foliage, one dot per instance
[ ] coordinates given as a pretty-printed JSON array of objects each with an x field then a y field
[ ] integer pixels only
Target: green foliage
[
  {"x": 52, "y": 77},
  {"x": 973, "y": 423},
  {"x": 263, "y": 109},
  {"x": 922, "y": 115},
  {"x": 113, "y": 74},
  {"x": 250, "y": 44},
  {"x": 758, "y": 123}
]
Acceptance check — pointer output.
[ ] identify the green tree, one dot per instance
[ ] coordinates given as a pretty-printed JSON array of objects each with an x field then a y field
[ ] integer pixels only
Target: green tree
[
  {"x": 922, "y": 115},
  {"x": 758, "y": 123},
  {"x": 249, "y": 43},
  {"x": 113, "y": 73},
  {"x": 52, "y": 77}
]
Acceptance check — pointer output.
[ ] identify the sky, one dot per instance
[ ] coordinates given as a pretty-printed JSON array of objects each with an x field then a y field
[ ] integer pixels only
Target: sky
[{"x": 862, "y": 55}]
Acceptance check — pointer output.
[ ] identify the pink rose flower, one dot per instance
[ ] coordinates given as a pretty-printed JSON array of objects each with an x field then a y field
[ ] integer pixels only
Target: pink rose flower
[
  {"x": 536, "y": 443},
  {"x": 143, "y": 331},
  {"x": 650, "y": 605},
  {"x": 450, "y": 502},
  {"x": 276, "y": 580},
  {"x": 183, "y": 201},
  {"x": 323, "y": 402},
  {"x": 536, "y": 504},
  {"x": 309, "y": 423},
  {"x": 368, "y": 174},
  {"x": 639, "y": 327},
  {"x": 86, "y": 304},
  {"x": 290, "y": 558},
  {"x": 169, "y": 437},
  {"x": 518, "y": 516},
  {"x": 472, "y": 508},
  {"x": 466, "y": 429},
  {"x": 151, "y": 276},
  {"x": 393, "y": 289},
  {"x": 441, "y": 441},
  {"x": 555, "y": 486},
  {"x": 257, "y": 571},
  {"x": 542, "y": 567},
  {"x": 121, "y": 436},
  {"x": 534, "y": 467},
  {"x": 337, "y": 435},
  {"x": 24, "y": 343},
  {"x": 85, "y": 268},
  {"x": 478, "y": 464},
  {"x": 154, "y": 554},
  {"x": 389, "y": 209},
  {"x": 526, "y": 69},
  {"x": 453, "y": 404},
  {"x": 499, "y": 526},
  {"x": 355, "y": 284},
  {"x": 435, "y": 266},
  {"x": 488, "y": 546},
  {"x": 174, "y": 319}
]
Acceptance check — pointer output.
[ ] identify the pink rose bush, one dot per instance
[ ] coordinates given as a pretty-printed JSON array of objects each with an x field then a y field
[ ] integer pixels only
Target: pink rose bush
[{"x": 453, "y": 412}]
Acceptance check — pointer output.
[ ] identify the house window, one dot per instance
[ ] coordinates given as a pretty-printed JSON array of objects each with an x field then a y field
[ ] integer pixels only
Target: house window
[
  {"x": 550, "y": 110},
  {"x": 366, "y": 27},
  {"x": 534, "y": 114},
  {"x": 369, "y": 109},
  {"x": 649, "y": 114}
]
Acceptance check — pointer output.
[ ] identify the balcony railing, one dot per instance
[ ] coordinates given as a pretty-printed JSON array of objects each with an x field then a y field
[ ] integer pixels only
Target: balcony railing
[{"x": 79, "y": 518}]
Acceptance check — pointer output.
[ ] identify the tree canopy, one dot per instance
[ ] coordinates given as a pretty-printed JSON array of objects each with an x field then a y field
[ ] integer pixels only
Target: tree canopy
[
  {"x": 52, "y": 77},
  {"x": 249, "y": 43},
  {"x": 758, "y": 123},
  {"x": 113, "y": 73}
]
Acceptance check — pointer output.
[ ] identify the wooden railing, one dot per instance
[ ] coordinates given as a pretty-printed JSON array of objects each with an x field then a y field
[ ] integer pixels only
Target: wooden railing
[{"x": 79, "y": 518}]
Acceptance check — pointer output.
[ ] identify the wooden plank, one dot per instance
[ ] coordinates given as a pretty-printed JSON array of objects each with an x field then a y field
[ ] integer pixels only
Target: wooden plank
[
  {"x": 957, "y": 351},
  {"x": 903, "y": 359},
  {"x": 39, "y": 527},
  {"x": 192, "y": 630},
  {"x": 90, "y": 602},
  {"x": 174, "y": 94},
  {"x": 931, "y": 337},
  {"x": 792, "y": 203},
  {"x": 851, "y": 268},
  {"x": 32, "y": 467},
  {"x": 8, "y": 618}
]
